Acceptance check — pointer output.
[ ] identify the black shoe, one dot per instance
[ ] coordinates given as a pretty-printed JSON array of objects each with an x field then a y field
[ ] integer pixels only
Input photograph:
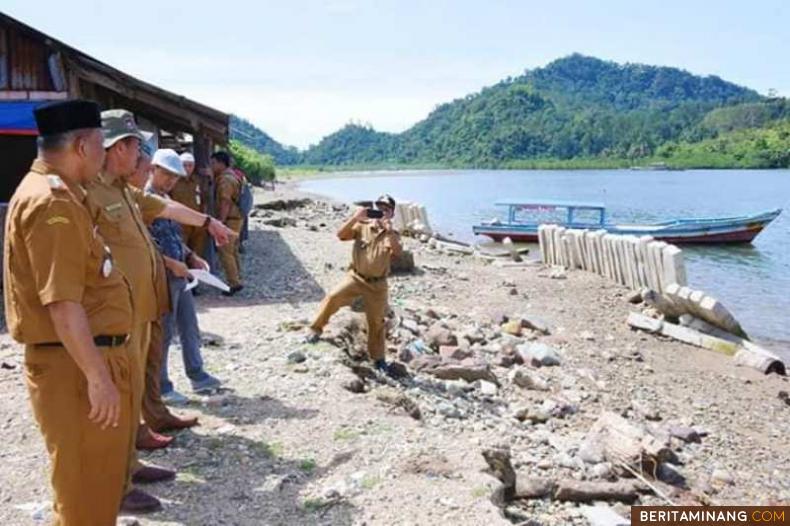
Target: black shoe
[
  {"x": 137, "y": 501},
  {"x": 151, "y": 474},
  {"x": 383, "y": 367},
  {"x": 312, "y": 338},
  {"x": 233, "y": 290}
]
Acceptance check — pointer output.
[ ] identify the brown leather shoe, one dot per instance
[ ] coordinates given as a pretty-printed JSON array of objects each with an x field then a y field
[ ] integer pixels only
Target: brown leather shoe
[
  {"x": 152, "y": 440},
  {"x": 137, "y": 501},
  {"x": 151, "y": 474},
  {"x": 175, "y": 423}
]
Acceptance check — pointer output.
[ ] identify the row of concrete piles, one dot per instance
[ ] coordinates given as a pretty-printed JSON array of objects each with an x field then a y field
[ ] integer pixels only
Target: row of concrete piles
[
  {"x": 636, "y": 262},
  {"x": 411, "y": 218},
  {"x": 658, "y": 271}
]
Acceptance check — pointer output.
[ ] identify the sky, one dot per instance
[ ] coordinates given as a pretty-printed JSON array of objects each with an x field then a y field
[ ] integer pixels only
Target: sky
[{"x": 301, "y": 69}]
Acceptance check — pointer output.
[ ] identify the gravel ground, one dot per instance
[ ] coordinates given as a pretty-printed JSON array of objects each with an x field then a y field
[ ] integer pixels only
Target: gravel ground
[{"x": 289, "y": 443}]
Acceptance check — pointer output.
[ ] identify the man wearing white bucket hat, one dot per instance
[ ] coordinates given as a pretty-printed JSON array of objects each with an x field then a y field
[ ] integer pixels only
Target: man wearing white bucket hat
[{"x": 179, "y": 259}]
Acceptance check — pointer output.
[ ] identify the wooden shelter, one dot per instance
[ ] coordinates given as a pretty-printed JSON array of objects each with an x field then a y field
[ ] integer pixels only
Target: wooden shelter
[{"x": 36, "y": 68}]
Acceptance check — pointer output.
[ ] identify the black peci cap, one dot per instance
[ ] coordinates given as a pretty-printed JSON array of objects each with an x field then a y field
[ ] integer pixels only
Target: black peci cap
[{"x": 53, "y": 118}]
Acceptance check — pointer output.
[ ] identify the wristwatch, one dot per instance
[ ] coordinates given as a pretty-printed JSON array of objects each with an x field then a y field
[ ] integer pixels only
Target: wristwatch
[{"x": 207, "y": 222}]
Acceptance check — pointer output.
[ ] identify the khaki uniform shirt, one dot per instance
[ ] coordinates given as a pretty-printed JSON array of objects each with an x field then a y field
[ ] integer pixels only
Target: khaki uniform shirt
[
  {"x": 372, "y": 251},
  {"x": 53, "y": 253},
  {"x": 229, "y": 189},
  {"x": 162, "y": 290},
  {"x": 189, "y": 192},
  {"x": 121, "y": 212}
]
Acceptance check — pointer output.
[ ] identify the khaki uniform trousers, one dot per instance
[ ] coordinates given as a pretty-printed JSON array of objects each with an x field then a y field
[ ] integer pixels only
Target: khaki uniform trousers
[
  {"x": 229, "y": 255},
  {"x": 195, "y": 238},
  {"x": 88, "y": 463},
  {"x": 375, "y": 297},
  {"x": 139, "y": 341},
  {"x": 155, "y": 413}
]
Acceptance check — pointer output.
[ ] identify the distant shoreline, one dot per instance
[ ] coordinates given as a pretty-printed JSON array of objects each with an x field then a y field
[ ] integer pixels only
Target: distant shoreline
[{"x": 297, "y": 174}]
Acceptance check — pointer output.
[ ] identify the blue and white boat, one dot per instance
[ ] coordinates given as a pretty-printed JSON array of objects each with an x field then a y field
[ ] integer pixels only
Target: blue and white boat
[{"x": 523, "y": 218}]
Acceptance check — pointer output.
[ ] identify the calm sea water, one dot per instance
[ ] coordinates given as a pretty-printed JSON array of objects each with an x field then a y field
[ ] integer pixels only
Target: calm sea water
[{"x": 752, "y": 280}]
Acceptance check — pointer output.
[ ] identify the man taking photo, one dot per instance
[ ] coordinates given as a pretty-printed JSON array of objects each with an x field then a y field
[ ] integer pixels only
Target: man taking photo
[{"x": 375, "y": 245}]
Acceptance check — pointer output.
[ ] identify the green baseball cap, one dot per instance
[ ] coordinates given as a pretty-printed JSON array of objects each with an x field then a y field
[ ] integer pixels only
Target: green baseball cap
[{"x": 120, "y": 124}]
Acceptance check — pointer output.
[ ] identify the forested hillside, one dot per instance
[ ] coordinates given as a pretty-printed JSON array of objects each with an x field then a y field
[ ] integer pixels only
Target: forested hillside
[{"x": 576, "y": 108}]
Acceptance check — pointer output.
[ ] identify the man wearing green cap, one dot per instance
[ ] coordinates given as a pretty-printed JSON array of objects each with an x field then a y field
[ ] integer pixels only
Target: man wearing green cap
[{"x": 121, "y": 213}]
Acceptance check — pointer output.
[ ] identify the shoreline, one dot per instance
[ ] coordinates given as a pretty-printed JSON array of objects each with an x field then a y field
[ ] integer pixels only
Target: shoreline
[
  {"x": 779, "y": 345},
  {"x": 301, "y": 175},
  {"x": 290, "y": 442}
]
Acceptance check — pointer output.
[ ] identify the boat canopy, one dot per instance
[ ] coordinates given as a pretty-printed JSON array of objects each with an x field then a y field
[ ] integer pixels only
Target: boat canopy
[
  {"x": 553, "y": 203},
  {"x": 548, "y": 205}
]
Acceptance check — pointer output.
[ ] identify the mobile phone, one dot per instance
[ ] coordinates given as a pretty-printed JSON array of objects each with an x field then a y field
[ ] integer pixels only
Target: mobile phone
[{"x": 374, "y": 214}]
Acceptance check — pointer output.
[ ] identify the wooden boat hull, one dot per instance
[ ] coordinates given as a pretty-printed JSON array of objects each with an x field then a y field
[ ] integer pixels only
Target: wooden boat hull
[{"x": 681, "y": 232}]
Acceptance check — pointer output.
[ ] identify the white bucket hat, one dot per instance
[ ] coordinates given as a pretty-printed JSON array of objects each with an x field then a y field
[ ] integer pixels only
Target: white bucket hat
[
  {"x": 187, "y": 157},
  {"x": 170, "y": 161}
]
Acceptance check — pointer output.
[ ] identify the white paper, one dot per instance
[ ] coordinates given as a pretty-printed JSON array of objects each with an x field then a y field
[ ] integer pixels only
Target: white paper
[{"x": 208, "y": 278}]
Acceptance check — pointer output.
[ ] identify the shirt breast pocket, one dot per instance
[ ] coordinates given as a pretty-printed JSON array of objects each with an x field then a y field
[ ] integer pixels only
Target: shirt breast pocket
[{"x": 110, "y": 222}]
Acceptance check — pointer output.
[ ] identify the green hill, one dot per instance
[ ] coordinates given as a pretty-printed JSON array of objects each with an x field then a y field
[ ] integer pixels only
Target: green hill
[
  {"x": 251, "y": 136},
  {"x": 748, "y": 147},
  {"x": 574, "y": 108}
]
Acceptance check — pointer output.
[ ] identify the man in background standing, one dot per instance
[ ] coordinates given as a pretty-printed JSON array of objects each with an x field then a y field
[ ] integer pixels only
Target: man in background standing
[
  {"x": 228, "y": 195},
  {"x": 190, "y": 192},
  {"x": 245, "y": 206}
]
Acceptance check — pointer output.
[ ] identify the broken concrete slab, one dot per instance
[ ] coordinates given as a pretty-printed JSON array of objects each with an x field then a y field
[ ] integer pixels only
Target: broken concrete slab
[
  {"x": 745, "y": 353},
  {"x": 758, "y": 358},
  {"x": 624, "y": 442},
  {"x": 663, "y": 304},
  {"x": 644, "y": 323}
]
